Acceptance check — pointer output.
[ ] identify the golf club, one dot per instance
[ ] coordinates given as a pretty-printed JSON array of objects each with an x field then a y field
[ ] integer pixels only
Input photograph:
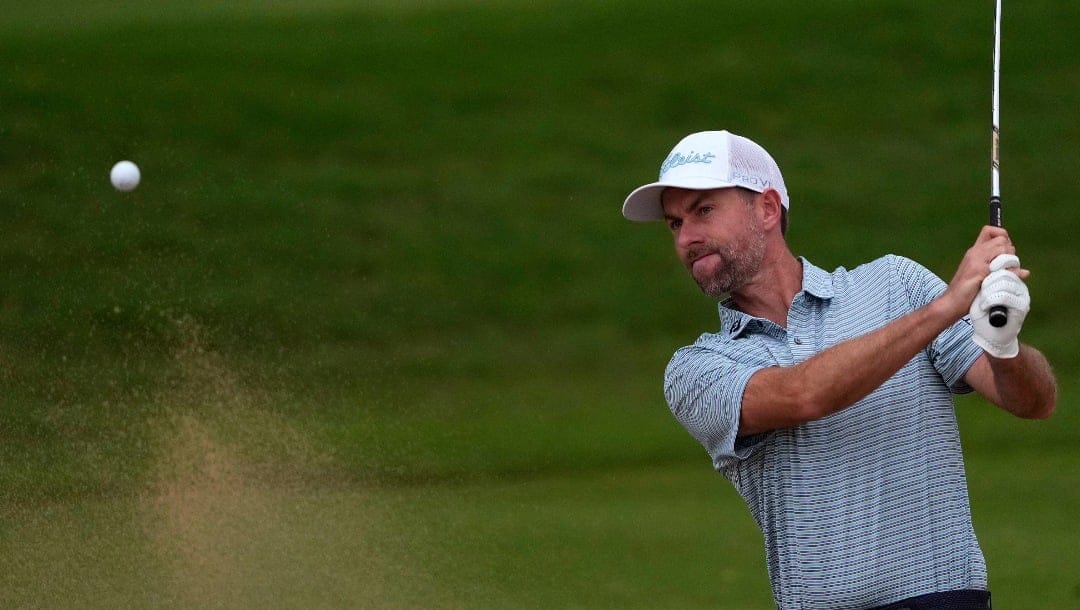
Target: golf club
[{"x": 999, "y": 314}]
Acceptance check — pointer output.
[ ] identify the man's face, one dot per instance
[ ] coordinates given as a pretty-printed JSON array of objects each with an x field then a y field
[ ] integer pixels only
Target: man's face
[{"x": 717, "y": 236}]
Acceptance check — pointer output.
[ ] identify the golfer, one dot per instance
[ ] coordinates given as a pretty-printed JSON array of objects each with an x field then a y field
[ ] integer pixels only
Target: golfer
[{"x": 826, "y": 398}]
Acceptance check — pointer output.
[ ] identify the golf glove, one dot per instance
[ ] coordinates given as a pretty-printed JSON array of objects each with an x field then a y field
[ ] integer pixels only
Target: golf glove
[{"x": 1001, "y": 287}]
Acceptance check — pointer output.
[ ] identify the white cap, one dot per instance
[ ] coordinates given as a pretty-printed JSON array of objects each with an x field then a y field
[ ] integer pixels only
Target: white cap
[{"x": 703, "y": 161}]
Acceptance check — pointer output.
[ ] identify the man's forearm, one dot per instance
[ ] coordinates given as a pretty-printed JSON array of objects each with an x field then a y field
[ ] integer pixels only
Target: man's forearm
[
  {"x": 1024, "y": 385},
  {"x": 842, "y": 374}
]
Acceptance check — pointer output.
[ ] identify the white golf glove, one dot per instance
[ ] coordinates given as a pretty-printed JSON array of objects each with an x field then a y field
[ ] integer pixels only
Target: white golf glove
[{"x": 1001, "y": 287}]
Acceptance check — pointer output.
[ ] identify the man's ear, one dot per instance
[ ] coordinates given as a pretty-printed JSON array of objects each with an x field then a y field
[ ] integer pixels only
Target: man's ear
[{"x": 771, "y": 209}]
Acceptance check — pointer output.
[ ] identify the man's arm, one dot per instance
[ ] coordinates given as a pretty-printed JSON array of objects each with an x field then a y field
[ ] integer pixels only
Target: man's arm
[
  {"x": 1023, "y": 386},
  {"x": 783, "y": 397}
]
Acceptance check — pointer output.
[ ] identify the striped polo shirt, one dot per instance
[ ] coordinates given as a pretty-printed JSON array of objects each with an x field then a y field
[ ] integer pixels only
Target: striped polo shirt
[{"x": 868, "y": 505}]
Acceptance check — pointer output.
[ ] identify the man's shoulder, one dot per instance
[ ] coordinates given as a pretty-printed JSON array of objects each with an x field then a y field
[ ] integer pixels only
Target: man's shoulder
[
  {"x": 884, "y": 268},
  {"x": 707, "y": 341},
  {"x": 712, "y": 350},
  {"x": 841, "y": 279},
  {"x": 706, "y": 345},
  {"x": 886, "y": 264}
]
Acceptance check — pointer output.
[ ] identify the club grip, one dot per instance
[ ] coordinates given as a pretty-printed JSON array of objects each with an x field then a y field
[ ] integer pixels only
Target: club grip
[
  {"x": 995, "y": 211},
  {"x": 999, "y": 316}
]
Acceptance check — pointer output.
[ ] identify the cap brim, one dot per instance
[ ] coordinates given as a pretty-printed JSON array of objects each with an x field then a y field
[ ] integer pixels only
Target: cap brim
[{"x": 643, "y": 204}]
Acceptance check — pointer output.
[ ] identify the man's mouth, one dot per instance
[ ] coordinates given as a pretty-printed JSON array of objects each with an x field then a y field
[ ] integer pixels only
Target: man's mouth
[{"x": 700, "y": 258}]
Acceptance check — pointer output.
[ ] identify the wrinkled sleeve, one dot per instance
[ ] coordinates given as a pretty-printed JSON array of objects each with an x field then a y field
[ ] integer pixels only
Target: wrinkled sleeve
[
  {"x": 704, "y": 390},
  {"x": 952, "y": 352}
]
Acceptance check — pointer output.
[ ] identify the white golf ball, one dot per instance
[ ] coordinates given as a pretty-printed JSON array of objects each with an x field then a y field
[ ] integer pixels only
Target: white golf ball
[{"x": 125, "y": 176}]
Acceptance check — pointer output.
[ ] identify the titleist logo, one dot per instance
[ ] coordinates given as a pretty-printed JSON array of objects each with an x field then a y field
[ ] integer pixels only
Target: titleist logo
[{"x": 678, "y": 159}]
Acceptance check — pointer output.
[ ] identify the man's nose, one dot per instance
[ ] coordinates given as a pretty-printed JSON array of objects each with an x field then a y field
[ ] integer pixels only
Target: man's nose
[{"x": 688, "y": 235}]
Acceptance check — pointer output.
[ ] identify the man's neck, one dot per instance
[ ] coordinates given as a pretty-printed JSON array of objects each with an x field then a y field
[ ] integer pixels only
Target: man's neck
[{"x": 770, "y": 293}]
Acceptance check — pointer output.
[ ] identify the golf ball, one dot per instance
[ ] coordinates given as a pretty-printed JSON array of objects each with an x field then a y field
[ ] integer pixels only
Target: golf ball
[{"x": 125, "y": 176}]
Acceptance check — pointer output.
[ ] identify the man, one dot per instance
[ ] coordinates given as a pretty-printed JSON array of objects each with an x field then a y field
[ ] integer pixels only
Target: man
[{"x": 826, "y": 397}]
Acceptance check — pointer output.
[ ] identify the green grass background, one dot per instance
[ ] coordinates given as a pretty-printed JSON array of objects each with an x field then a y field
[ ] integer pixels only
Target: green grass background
[{"x": 373, "y": 333}]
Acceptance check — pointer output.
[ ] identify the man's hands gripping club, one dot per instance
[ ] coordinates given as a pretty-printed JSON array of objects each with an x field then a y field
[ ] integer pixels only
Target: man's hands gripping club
[
  {"x": 782, "y": 397},
  {"x": 992, "y": 263},
  {"x": 1002, "y": 287}
]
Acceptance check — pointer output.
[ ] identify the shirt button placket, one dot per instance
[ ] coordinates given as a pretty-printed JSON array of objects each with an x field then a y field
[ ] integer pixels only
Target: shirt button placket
[{"x": 798, "y": 342}]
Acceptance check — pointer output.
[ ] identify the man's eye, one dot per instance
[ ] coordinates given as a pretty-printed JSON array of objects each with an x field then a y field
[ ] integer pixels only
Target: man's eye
[
  {"x": 703, "y": 210},
  {"x": 674, "y": 224}
]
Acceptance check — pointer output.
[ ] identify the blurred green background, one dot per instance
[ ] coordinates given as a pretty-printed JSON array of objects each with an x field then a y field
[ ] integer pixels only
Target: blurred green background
[{"x": 372, "y": 331}]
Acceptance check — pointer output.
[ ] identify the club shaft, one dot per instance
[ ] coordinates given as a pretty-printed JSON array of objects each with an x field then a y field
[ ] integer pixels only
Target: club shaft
[
  {"x": 995, "y": 107},
  {"x": 999, "y": 315}
]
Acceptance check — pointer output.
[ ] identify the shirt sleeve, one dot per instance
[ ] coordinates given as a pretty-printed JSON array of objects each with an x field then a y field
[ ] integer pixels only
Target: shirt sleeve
[
  {"x": 704, "y": 389},
  {"x": 953, "y": 352}
]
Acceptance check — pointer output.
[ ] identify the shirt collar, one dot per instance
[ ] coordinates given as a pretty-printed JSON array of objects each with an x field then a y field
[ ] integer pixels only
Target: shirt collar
[{"x": 816, "y": 282}]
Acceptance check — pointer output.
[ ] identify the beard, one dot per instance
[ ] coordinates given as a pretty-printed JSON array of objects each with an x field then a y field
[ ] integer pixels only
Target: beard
[{"x": 739, "y": 261}]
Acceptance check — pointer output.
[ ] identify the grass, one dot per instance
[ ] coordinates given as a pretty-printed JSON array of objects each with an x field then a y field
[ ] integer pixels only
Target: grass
[
  {"x": 583, "y": 540},
  {"x": 374, "y": 313}
]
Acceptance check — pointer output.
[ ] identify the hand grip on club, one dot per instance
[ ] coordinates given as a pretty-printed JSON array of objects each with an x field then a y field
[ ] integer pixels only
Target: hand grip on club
[{"x": 999, "y": 314}]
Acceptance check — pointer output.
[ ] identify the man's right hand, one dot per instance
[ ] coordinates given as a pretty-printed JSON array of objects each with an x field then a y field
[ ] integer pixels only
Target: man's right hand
[{"x": 975, "y": 267}]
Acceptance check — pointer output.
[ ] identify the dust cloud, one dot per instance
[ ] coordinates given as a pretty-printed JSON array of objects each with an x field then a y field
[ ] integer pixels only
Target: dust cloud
[{"x": 231, "y": 511}]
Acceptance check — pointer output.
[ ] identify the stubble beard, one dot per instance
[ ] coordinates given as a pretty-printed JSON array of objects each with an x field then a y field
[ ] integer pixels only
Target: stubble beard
[{"x": 739, "y": 262}]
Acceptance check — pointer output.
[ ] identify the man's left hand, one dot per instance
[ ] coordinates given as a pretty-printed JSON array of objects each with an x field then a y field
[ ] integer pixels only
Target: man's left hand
[{"x": 1002, "y": 287}]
